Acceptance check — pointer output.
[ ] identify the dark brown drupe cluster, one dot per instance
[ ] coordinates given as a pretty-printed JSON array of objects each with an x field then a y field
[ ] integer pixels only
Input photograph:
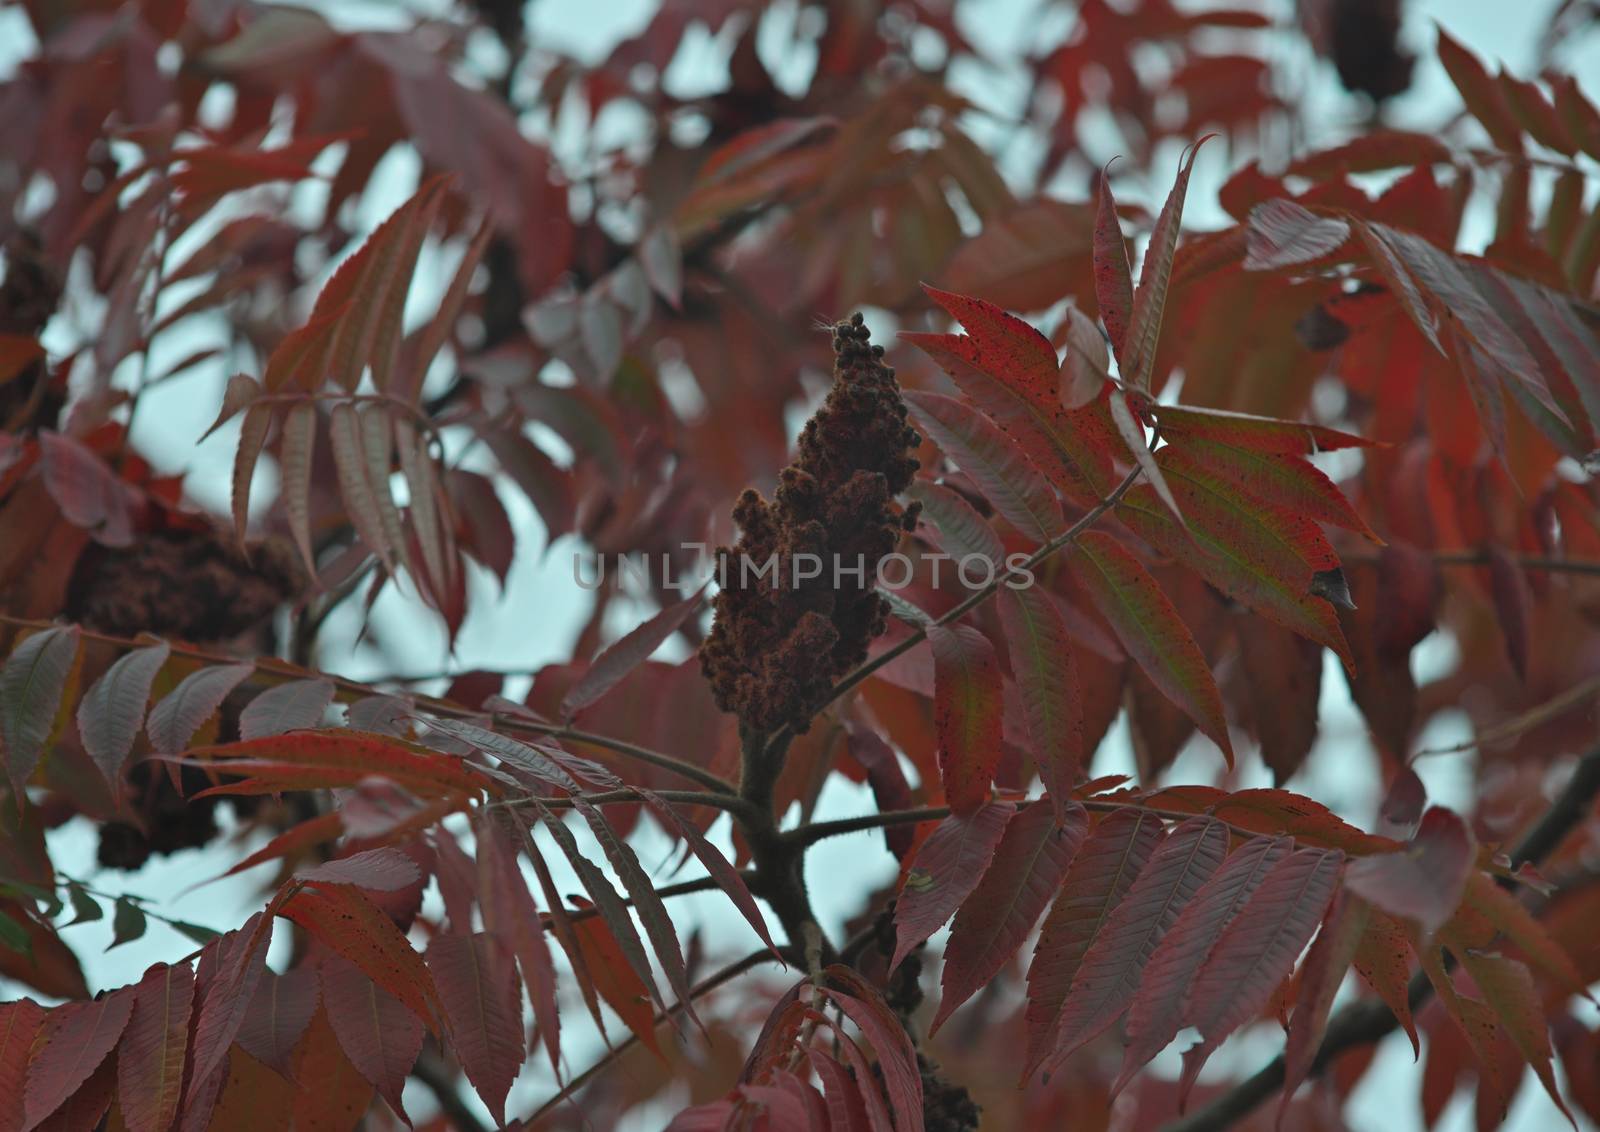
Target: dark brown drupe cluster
[
  {"x": 192, "y": 584},
  {"x": 776, "y": 648}
]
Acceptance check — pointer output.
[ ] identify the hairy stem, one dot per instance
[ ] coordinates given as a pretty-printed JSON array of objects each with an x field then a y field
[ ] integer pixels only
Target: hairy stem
[{"x": 1367, "y": 1021}]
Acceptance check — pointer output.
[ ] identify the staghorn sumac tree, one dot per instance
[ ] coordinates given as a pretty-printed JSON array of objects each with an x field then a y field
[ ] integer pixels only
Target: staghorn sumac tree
[{"x": 419, "y": 272}]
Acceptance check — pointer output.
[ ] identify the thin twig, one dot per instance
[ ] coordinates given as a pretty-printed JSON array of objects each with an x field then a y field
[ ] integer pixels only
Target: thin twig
[
  {"x": 817, "y": 831},
  {"x": 1535, "y": 716},
  {"x": 1364, "y": 1022},
  {"x": 1542, "y": 562},
  {"x": 699, "y": 990}
]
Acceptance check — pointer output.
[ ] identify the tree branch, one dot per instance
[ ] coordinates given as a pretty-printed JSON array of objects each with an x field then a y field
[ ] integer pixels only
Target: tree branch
[
  {"x": 1364, "y": 1022},
  {"x": 699, "y": 990}
]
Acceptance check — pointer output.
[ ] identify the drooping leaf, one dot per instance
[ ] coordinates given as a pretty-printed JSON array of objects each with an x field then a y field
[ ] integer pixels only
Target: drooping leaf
[
  {"x": 992, "y": 923},
  {"x": 252, "y": 438},
  {"x": 1507, "y": 986},
  {"x": 1043, "y": 661},
  {"x": 477, "y": 981},
  {"x": 1149, "y": 628},
  {"x": 625, "y": 655},
  {"x": 231, "y": 967},
  {"x": 294, "y": 706},
  {"x": 967, "y": 710},
  {"x": 510, "y": 915},
  {"x": 616, "y": 980},
  {"x": 294, "y": 471},
  {"x": 349, "y": 923},
  {"x": 1383, "y": 960},
  {"x": 357, "y": 491},
  {"x": 173, "y": 721},
  {"x": 1324, "y": 968},
  {"x": 1156, "y": 1014},
  {"x": 333, "y": 1095},
  {"x": 150, "y": 1060},
  {"x": 379, "y": 1035},
  {"x": 897, "y": 1057},
  {"x": 1104, "y": 868},
  {"x": 91, "y": 496},
  {"x": 31, "y": 686},
  {"x": 1085, "y": 363},
  {"x": 611, "y": 907},
  {"x": 279, "y": 1014},
  {"x": 1256, "y": 951},
  {"x": 128, "y": 923},
  {"x": 1132, "y": 434},
  {"x": 112, "y": 711},
  {"x": 1104, "y": 984},
  {"x": 944, "y": 873},
  {"x": 1001, "y": 470},
  {"x": 74, "y": 1039},
  {"x": 1425, "y": 880},
  {"x": 648, "y": 906}
]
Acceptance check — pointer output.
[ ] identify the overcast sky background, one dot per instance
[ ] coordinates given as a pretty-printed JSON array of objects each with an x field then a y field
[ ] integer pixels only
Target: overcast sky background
[{"x": 535, "y": 620}]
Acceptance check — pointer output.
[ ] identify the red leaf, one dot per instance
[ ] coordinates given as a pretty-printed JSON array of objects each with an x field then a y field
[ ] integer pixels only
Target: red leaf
[
  {"x": 1513, "y": 604},
  {"x": 381, "y": 870},
  {"x": 890, "y": 790},
  {"x": 648, "y": 906},
  {"x": 73, "y": 1041},
  {"x": 626, "y": 654},
  {"x": 1146, "y": 622},
  {"x": 1282, "y": 479},
  {"x": 1156, "y": 1013},
  {"x": 944, "y": 872},
  {"x": 252, "y": 438},
  {"x": 359, "y": 493},
  {"x": 716, "y": 865},
  {"x": 1084, "y": 364},
  {"x": 1043, "y": 661},
  {"x": 897, "y": 1057},
  {"x": 1425, "y": 880},
  {"x": 991, "y": 924},
  {"x": 111, "y": 713},
  {"x": 180, "y": 713},
  {"x": 984, "y": 452},
  {"x": 279, "y": 1013},
  {"x": 379, "y": 1035},
  {"x": 333, "y": 1096},
  {"x": 358, "y": 929},
  {"x": 351, "y": 754},
  {"x": 1255, "y": 434},
  {"x": 1479, "y": 92},
  {"x": 967, "y": 707},
  {"x": 1113, "y": 278},
  {"x": 1104, "y": 868},
  {"x": 31, "y": 686},
  {"x": 1150, "y": 301},
  {"x": 1508, "y": 988},
  {"x": 1383, "y": 959},
  {"x": 1072, "y": 448},
  {"x": 847, "y": 1111},
  {"x": 1281, "y": 234},
  {"x": 616, "y": 980},
  {"x": 1106, "y": 979},
  {"x": 295, "y": 706},
  {"x": 150, "y": 1061},
  {"x": 1320, "y": 976},
  {"x": 1256, "y": 951},
  {"x": 17, "y": 353},
  {"x": 509, "y": 914},
  {"x": 230, "y": 969},
  {"x": 19, "y": 1023},
  {"x": 85, "y": 488}
]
